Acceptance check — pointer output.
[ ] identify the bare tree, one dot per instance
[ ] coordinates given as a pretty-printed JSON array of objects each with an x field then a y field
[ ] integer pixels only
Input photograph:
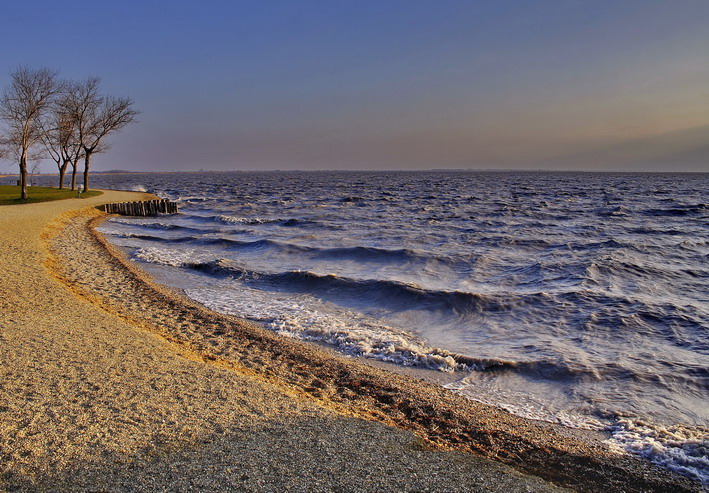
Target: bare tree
[
  {"x": 22, "y": 106},
  {"x": 61, "y": 139},
  {"x": 78, "y": 153},
  {"x": 96, "y": 116}
]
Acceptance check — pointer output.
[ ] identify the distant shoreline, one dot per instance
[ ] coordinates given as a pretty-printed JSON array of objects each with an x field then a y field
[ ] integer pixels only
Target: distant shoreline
[{"x": 383, "y": 171}]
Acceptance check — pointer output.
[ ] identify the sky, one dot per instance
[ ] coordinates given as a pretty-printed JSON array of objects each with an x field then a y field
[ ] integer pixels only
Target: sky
[{"x": 619, "y": 85}]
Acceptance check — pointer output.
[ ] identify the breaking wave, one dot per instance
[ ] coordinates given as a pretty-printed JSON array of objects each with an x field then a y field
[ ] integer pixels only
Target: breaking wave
[
  {"x": 349, "y": 332},
  {"x": 251, "y": 221},
  {"x": 678, "y": 448}
]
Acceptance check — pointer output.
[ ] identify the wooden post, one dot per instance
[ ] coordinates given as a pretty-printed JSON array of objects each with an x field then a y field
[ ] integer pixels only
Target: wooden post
[{"x": 141, "y": 208}]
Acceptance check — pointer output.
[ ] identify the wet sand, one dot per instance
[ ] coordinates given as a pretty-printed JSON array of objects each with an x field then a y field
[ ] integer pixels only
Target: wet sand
[{"x": 112, "y": 382}]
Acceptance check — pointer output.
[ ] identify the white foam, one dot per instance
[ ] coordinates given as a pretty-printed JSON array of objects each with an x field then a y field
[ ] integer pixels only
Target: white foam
[
  {"x": 103, "y": 229},
  {"x": 192, "y": 198},
  {"x": 172, "y": 257},
  {"x": 233, "y": 219},
  {"x": 121, "y": 220},
  {"x": 676, "y": 447},
  {"x": 138, "y": 188},
  {"x": 525, "y": 398},
  {"x": 304, "y": 317},
  {"x": 242, "y": 220},
  {"x": 681, "y": 449}
]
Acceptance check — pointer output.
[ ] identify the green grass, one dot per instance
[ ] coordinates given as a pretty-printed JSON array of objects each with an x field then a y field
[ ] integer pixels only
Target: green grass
[{"x": 10, "y": 194}]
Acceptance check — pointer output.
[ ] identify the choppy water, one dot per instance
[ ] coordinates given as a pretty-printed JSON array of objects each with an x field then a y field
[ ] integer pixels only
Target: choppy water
[{"x": 577, "y": 298}]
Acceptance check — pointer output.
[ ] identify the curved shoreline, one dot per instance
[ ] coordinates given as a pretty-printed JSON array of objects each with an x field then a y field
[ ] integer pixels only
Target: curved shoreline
[
  {"x": 92, "y": 402},
  {"x": 345, "y": 386}
]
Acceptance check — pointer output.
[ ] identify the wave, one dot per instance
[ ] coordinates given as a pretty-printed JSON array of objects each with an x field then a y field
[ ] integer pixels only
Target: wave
[
  {"x": 241, "y": 244},
  {"x": 680, "y": 326},
  {"x": 678, "y": 448},
  {"x": 151, "y": 238},
  {"x": 402, "y": 296},
  {"x": 602, "y": 270},
  {"x": 389, "y": 292},
  {"x": 398, "y": 295},
  {"x": 357, "y": 335},
  {"x": 201, "y": 240},
  {"x": 527, "y": 242},
  {"x": 151, "y": 224},
  {"x": 352, "y": 198},
  {"x": 138, "y": 222},
  {"x": 172, "y": 257},
  {"x": 618, "y": 211},
  {"x": 374, "y": 341},
  {"x": 645, "y": 230},
  {"x": 349, "y": 332},
  {"x": 513, "y": 241},
  {"x": 251, "y": 221},
  {"x": 682, "y": 449},
  {"x": 679, "y": 210},
  {"x": 386, "y": 291},
  {"x": 376, "y": 254},
  {"x": 674, "y": 210},
  {"x": 358, "y": 253},
  {"x": 191, "y": 199}
]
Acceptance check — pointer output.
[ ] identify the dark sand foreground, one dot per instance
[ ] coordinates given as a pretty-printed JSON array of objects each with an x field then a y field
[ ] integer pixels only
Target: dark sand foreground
[{"x": 110, "y": 382}]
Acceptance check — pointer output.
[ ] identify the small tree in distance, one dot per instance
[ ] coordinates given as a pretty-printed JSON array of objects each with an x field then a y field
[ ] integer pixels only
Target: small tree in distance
[
  {"x": 34, "y": 169},
  {"x": 95, "y": 117},
  {"x": 22, "y": 106}
]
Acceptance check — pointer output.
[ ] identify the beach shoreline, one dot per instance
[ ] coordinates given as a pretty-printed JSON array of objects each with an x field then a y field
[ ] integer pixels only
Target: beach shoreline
[{"x": 308, "y": 380}]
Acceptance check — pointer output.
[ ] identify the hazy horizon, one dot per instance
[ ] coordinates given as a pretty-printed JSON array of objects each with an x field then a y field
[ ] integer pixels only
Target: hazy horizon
[{"x": 524, "y": 85}]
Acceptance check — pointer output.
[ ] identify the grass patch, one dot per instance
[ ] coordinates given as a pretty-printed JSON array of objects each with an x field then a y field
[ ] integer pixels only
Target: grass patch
[{"x": 10, "y": 194}]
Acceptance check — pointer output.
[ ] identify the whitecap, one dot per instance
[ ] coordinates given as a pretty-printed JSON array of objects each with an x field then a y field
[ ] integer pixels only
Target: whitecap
[{"x": 678, "y": 448}]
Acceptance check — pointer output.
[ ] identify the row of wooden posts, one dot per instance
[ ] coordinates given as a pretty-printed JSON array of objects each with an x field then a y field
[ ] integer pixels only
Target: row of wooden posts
[{"x": 142, "y": 208}]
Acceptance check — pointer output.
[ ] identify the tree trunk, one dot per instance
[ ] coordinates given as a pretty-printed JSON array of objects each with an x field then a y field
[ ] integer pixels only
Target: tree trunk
[
  {"x": 62, "y": 172},
  {"x": 73, "y": 176},
  {"x": 87, "y": 160},
  {"x": 23, "y": 175}
]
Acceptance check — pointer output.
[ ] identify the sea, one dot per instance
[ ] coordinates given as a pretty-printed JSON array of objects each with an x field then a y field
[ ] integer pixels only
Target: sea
[{"x": 575, "y": 298}]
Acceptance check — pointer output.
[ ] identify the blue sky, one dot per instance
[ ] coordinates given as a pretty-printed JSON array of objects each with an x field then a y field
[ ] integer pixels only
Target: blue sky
[{"x": 565, "y": 84}]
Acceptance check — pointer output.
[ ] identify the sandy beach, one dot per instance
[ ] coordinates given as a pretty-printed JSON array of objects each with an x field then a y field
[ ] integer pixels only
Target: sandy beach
[{"x": 111, "y": 382}]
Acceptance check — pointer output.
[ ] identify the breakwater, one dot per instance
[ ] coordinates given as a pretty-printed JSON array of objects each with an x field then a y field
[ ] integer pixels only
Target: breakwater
[{"x": 141, "y": 208}]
